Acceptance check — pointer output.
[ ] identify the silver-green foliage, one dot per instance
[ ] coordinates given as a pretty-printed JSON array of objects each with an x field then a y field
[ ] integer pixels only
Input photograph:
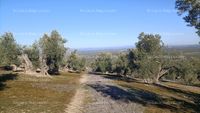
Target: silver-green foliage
[
  {"x": 53, "y": 50},
  {"x": 103, "y": 63},
  {"x": 9, "y": 50},
  {"x": 75, "y": 62}
]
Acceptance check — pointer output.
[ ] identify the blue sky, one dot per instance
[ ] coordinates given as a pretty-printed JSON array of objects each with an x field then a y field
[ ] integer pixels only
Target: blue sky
[{"x": 95, "y": 23}]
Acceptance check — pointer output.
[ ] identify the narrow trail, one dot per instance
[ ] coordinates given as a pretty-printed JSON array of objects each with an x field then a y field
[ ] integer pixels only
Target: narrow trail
[
  {"x": 76, "y": 104},
  {"x": 101, "y": 95}
]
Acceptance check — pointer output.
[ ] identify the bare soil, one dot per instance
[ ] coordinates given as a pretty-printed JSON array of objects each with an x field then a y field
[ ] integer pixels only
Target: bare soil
[{"x": 101, "y": 95}]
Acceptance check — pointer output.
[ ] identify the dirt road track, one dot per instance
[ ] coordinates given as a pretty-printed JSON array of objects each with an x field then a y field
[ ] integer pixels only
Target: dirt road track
[{"x": 98, "y": 94}]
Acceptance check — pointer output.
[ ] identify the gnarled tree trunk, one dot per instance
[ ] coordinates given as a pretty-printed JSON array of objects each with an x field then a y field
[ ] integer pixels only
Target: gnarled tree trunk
[
  {"x": 161, "y": 73},
  {"x": 43, "y": 65},
  {"x": 29, "y": 69},
  {"x": 26, "y": 64}
]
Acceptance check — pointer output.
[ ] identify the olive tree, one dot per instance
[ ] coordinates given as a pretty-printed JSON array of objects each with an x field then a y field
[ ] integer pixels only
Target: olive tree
[
  {"x": 120, "y": 64},
  {"x": 52, "y": 51},
  {"x": 145, "y": 59},
  {"x": 75, "y": 62},
  {"x": 151, "y": 62},
  {"x": 33, "y": 54},
  {"x": 103, "y": 63},
  {"x": 9, "y": 50},
  {"x": 186, "y": 70}
]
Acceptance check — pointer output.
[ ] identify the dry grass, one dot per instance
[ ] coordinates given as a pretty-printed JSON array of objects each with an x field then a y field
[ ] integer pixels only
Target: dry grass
[
  {"x": 22, "y": 93},
  {"x": 165, "y": 97}
]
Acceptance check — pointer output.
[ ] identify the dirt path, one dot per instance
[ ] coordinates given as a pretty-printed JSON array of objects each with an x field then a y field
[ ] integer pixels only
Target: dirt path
[
  {"x": 101, "y": 95},
  {"x": 76, "y": 104}
]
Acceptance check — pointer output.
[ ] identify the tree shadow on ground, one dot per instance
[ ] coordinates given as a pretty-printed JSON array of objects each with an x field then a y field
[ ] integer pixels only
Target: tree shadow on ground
[
  {"x": 6, "y": 77},
  {"x": 194, "y": 96},
  {"x": 145, "y": 98}
]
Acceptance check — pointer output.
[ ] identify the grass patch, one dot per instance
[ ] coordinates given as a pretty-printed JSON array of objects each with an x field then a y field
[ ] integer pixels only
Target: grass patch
[
  {"x": 165, "y": 98},
  {"x": 35, "y": 95}
]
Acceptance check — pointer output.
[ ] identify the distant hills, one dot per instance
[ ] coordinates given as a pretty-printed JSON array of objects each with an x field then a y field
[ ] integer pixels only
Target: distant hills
[
  {"x": 194, "y": 48},
  {"x": 92, "y": 51}
]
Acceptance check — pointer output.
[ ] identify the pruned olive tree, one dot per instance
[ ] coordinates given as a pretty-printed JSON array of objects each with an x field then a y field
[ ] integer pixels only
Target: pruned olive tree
[
  {"x": 52, "y": 52},
  {"x": 146, "y": 58}
]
